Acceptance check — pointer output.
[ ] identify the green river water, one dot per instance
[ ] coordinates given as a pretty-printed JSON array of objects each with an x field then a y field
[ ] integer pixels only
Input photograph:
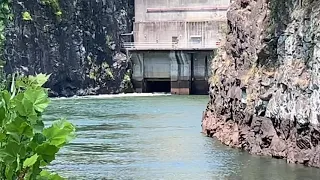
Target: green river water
[{"x": 155, "y": 137}]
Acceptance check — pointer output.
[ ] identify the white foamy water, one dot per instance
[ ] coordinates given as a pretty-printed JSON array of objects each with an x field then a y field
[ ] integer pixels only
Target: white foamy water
[{"x": 105, "y": 96}]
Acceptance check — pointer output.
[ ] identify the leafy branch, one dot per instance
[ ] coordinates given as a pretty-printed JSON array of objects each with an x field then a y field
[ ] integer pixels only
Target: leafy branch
[{"x": 26, "y": 146}]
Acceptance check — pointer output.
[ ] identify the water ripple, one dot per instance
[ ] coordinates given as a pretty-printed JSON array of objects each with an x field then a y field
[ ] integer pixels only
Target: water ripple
[{"x": 154, "y": 138}]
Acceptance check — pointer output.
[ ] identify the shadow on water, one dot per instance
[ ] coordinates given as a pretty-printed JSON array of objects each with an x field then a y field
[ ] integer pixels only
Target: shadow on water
[
  {"x": 104, "y": 127},
  {"x": 154, "y": 138}
]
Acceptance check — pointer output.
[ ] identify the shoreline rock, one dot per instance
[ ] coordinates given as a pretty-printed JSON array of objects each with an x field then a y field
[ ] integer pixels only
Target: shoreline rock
[
  {"x": 264, "y": 91},
  {"x": 287, "y": 140}
]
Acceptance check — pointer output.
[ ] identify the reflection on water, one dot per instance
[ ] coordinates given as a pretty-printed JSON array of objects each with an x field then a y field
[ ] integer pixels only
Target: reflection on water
[{"x": 154, "y": 138}]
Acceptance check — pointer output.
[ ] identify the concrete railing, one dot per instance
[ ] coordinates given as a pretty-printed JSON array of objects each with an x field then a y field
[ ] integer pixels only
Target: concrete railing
[
  {"x": 168, "y": 46},
  {"x": 182, "y": 9}
]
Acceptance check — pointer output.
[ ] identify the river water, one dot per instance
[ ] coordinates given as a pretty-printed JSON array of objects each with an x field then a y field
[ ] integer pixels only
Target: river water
[{"x": 154, "y": 138}]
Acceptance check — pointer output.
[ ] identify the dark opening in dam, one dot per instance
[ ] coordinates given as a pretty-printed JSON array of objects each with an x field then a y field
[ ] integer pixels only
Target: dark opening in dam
[{"x": 159, "y": 85}]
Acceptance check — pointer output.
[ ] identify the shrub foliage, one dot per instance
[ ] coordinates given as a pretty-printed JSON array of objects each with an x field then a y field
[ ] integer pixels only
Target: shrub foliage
[{"x": 26, "y": 145}]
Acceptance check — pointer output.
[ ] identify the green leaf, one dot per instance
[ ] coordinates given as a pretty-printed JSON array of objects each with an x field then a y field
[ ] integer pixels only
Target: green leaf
[
  {"x": 9, "y": 154},
  {"x": 20, "y": 127},
  {"x": 9, "y": 171},
  {"x": 59, "y": 133},
  {"x": 24, "y": 106},
  {"x": 33, "y": 119},
  {"x": 39, "y": 79},
  {"x": 2, "y": 136},
  {"x": 46, "y": 175},
  {"x": 22, "y": 82},
  {"x": 17, "y": 100},
  {"x": 37, "y": 97},
  {"x": 38, "y": 126},
  {"x": 36, "y": 141},
  {"x": 47, "y": 151},
  {"x": 23, "y": 151},
  {"x": 6, "y": 98},
  {"x": 30, "y": 161},
  {"x": 36, "y": 170},
  {"x": 13, "y": 137},
  {"x": 26, "y": 16},
  {"x": 2, "y": 112}
]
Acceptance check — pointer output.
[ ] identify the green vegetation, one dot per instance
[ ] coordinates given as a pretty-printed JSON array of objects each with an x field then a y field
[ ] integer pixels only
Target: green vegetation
[
  {"x": 5, "y": 18},
  {"x": 105, "y": 66},
  {"x": 93, "y": 74},
  {"x": 126, "y": 84},
  {"x": 55, "y": 6},
  {"x": 96, "y": 71},
  {"x": 26, "y": 146},
  {"x": 109, "y": 73},
  {"x": 126, "y": 77},
  {"x": 26, "y": 16},
  {"x": 109, "y": 42}
]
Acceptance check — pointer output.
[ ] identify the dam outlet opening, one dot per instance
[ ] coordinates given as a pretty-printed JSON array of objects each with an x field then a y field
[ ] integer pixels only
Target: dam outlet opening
[{"x": 158, "y": 86}]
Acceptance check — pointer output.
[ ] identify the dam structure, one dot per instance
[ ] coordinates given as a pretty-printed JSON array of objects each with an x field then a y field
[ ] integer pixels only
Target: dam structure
[{"x": 173, "y": 42}]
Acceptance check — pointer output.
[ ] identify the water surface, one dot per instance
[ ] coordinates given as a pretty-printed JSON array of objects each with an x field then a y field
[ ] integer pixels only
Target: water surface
[{"x": 154, "y": 138}]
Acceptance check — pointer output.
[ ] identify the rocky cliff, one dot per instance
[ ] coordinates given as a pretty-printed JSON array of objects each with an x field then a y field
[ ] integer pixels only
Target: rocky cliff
[
  {"x": 77, "y": 41},
  {"x": 264, "y": 94}
]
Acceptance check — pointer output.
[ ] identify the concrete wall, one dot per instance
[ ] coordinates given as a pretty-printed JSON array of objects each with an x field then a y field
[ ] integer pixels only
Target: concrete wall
[
  {"x": 188, "y": 71},
  {"x": 187, "y": 25},
  {"x": 157, "y": 65},
  {"x": 208, "y": 32},
  {"x": 142, "y": 5}
]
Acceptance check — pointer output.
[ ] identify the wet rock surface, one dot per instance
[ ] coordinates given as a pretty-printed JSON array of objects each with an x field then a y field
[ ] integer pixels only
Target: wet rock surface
[
  {"x": 264, "y": 94},
  {"x": 77, "y": 41}
]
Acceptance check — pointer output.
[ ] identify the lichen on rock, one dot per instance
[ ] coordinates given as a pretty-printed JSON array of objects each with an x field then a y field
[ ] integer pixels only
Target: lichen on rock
[{"x": 264, "y": 94}]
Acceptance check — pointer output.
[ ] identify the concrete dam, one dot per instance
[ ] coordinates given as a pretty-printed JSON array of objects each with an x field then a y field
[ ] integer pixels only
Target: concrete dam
[{"x": 173, "y": 42}]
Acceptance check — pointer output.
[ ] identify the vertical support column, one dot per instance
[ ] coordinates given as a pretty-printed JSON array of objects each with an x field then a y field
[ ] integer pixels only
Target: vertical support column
[
  {"x": 185, "y": 77},
  {"x": 180, "y": 73},
  {"x": 174, "y": 73},
  {"x": 138, "y": 72}
]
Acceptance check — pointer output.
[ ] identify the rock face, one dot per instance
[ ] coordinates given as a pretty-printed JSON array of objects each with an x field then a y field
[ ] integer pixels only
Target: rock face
[
  {"x": 264, "y": 94},
  {"x": 77, "y": 41}
]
